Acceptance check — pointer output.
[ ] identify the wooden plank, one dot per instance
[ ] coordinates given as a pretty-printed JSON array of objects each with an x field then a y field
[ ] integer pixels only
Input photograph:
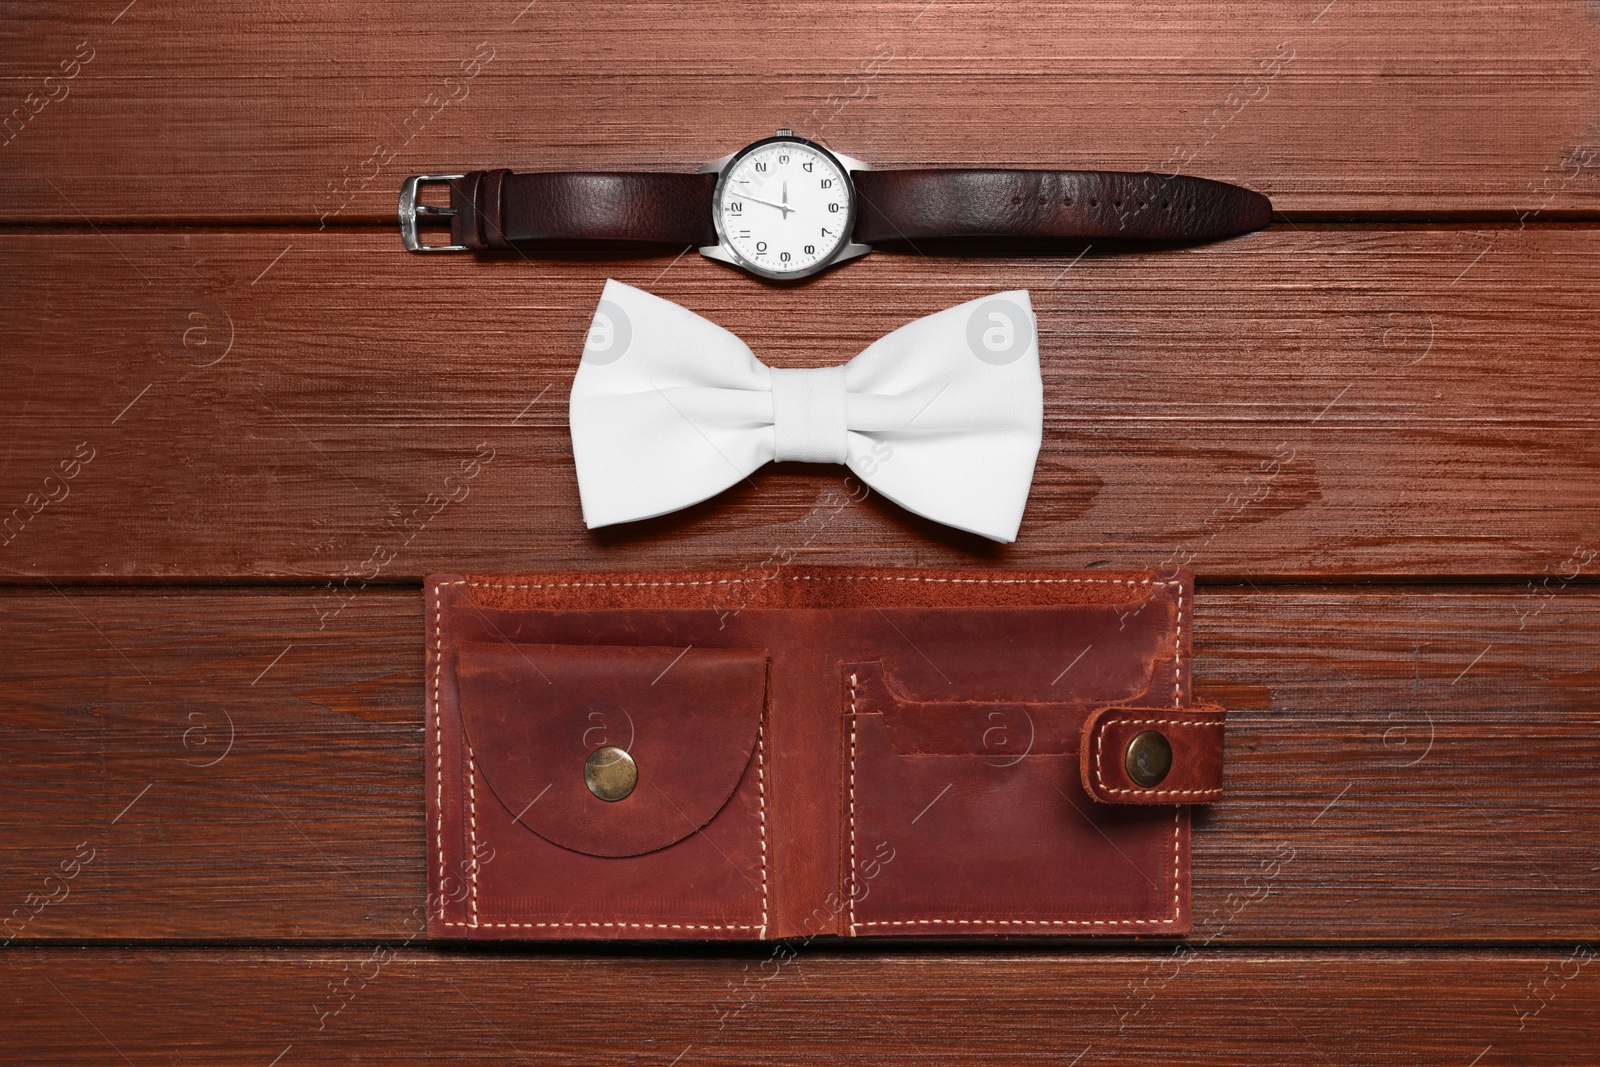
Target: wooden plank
[
  {"x": 1308, "y": 401},
  {"x": 313, "y": 112},
  {"x": 1401, "y": 765},
  {"x": 808, "y": 1006}
]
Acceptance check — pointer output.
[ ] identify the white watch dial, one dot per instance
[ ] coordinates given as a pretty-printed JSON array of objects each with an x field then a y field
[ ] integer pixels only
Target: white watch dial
[{"x": 785, "y": 207}]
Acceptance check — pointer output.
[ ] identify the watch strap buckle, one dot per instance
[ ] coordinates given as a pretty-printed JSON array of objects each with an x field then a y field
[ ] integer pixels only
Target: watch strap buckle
[{"x": 410, "y": 208}]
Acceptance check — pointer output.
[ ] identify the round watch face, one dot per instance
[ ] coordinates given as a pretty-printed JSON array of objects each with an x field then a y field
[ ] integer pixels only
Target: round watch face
[{"x": 784, "y": 207}]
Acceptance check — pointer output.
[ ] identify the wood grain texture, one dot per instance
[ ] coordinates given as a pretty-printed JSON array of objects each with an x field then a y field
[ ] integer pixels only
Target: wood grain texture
[
  {"x": 1405, "y": 765},
  {"x": 1312, "y": 401},
  {"x": 406, "y": 1007},
  {"x": 313, "y": 112}
]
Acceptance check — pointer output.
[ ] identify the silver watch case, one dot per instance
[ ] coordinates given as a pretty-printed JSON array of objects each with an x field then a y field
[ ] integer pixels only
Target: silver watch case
[{"x": 724, "y": 252}]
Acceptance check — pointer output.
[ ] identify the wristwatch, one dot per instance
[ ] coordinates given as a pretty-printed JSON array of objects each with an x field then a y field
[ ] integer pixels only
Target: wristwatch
[{"x": 786, "y": 207}]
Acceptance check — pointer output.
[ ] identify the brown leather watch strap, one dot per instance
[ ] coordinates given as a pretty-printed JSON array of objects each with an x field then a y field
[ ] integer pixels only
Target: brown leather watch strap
[
  {"x": 907, "y": 205},
  {"x": 557, "y": 210},
  {"x": 498, "y": 210}
]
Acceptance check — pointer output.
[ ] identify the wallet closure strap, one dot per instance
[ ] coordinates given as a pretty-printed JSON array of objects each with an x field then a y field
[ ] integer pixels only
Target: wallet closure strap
[{"x": 1154, "y": 755}]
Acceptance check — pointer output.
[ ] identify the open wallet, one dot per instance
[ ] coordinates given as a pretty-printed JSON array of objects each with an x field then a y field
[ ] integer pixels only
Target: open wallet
[{"x": 808, "y": 752}]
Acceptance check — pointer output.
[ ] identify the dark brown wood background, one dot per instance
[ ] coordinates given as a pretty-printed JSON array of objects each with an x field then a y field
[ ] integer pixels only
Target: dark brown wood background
[{"x": 206, "y": 318}]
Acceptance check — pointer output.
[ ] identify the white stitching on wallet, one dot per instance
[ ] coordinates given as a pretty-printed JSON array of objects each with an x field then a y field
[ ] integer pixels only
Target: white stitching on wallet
[
  {"x": 472, "y": 871},
  {"x": 630, "y": 926},
  {"x": 818, "y": 578},
  {"x": 761, "y": 792},
  {"x": 853, "y": 876},
  {"x": 438, "y": 746},
  {"x": 1177, "y": 656}
]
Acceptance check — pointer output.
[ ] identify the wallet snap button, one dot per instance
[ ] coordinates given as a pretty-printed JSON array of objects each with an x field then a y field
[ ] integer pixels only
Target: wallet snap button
[
  {"x": 1149, "y": 758},
  {"x": 610, "y": 773}
]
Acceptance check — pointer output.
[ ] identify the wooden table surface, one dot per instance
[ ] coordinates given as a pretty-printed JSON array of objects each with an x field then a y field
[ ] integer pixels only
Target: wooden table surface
[{"x": 228, "y": 390}]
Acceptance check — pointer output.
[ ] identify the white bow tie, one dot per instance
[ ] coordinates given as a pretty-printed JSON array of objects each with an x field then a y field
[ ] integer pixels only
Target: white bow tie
[{"x": 943, "y": 416}]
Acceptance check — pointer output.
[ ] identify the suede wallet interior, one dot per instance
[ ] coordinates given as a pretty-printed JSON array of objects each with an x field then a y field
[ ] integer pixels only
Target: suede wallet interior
[{"x": 814, "y": 752}]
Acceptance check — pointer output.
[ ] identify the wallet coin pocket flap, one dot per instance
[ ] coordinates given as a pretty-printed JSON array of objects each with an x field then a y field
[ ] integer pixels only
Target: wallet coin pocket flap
[{"x": 611, "y": 750}]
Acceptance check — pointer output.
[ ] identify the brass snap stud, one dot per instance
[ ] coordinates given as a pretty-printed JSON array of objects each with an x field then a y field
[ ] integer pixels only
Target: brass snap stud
[
  {"x": 610, "y": 773},
  {"x": 1149, "y": 758}
]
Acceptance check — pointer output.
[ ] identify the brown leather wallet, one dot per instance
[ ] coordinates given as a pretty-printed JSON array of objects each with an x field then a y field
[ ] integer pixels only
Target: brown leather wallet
[{"x": 802, "y": 752}]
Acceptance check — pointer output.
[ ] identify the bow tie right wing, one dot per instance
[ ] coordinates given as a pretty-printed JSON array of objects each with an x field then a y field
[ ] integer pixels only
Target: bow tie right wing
[
  {"x": 946, "y": 414},
  {"x": 667, "y": 409}
]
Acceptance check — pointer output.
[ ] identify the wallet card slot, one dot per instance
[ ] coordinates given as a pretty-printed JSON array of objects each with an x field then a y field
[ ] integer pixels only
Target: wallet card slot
[
  {"x": 1001, "y": 730},
  {"x": 1118, "y": 652},
  {"x": 947, "y": 834}
]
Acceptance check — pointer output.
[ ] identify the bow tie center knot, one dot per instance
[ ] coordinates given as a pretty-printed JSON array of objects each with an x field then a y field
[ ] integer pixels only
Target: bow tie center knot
[{"x": 808, "y": 415}]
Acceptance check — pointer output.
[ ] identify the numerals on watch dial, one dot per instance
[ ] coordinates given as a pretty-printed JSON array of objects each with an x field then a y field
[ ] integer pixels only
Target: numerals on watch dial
[{"x": 784, "y": 207}]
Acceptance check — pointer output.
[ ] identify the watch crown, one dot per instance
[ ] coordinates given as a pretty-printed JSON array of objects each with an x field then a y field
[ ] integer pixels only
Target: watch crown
[{"x": 784, "y": 131}]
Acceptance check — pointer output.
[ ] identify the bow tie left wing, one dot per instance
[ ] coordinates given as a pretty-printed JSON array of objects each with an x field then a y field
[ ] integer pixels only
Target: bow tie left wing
[{"x": 663, "y": 408}]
